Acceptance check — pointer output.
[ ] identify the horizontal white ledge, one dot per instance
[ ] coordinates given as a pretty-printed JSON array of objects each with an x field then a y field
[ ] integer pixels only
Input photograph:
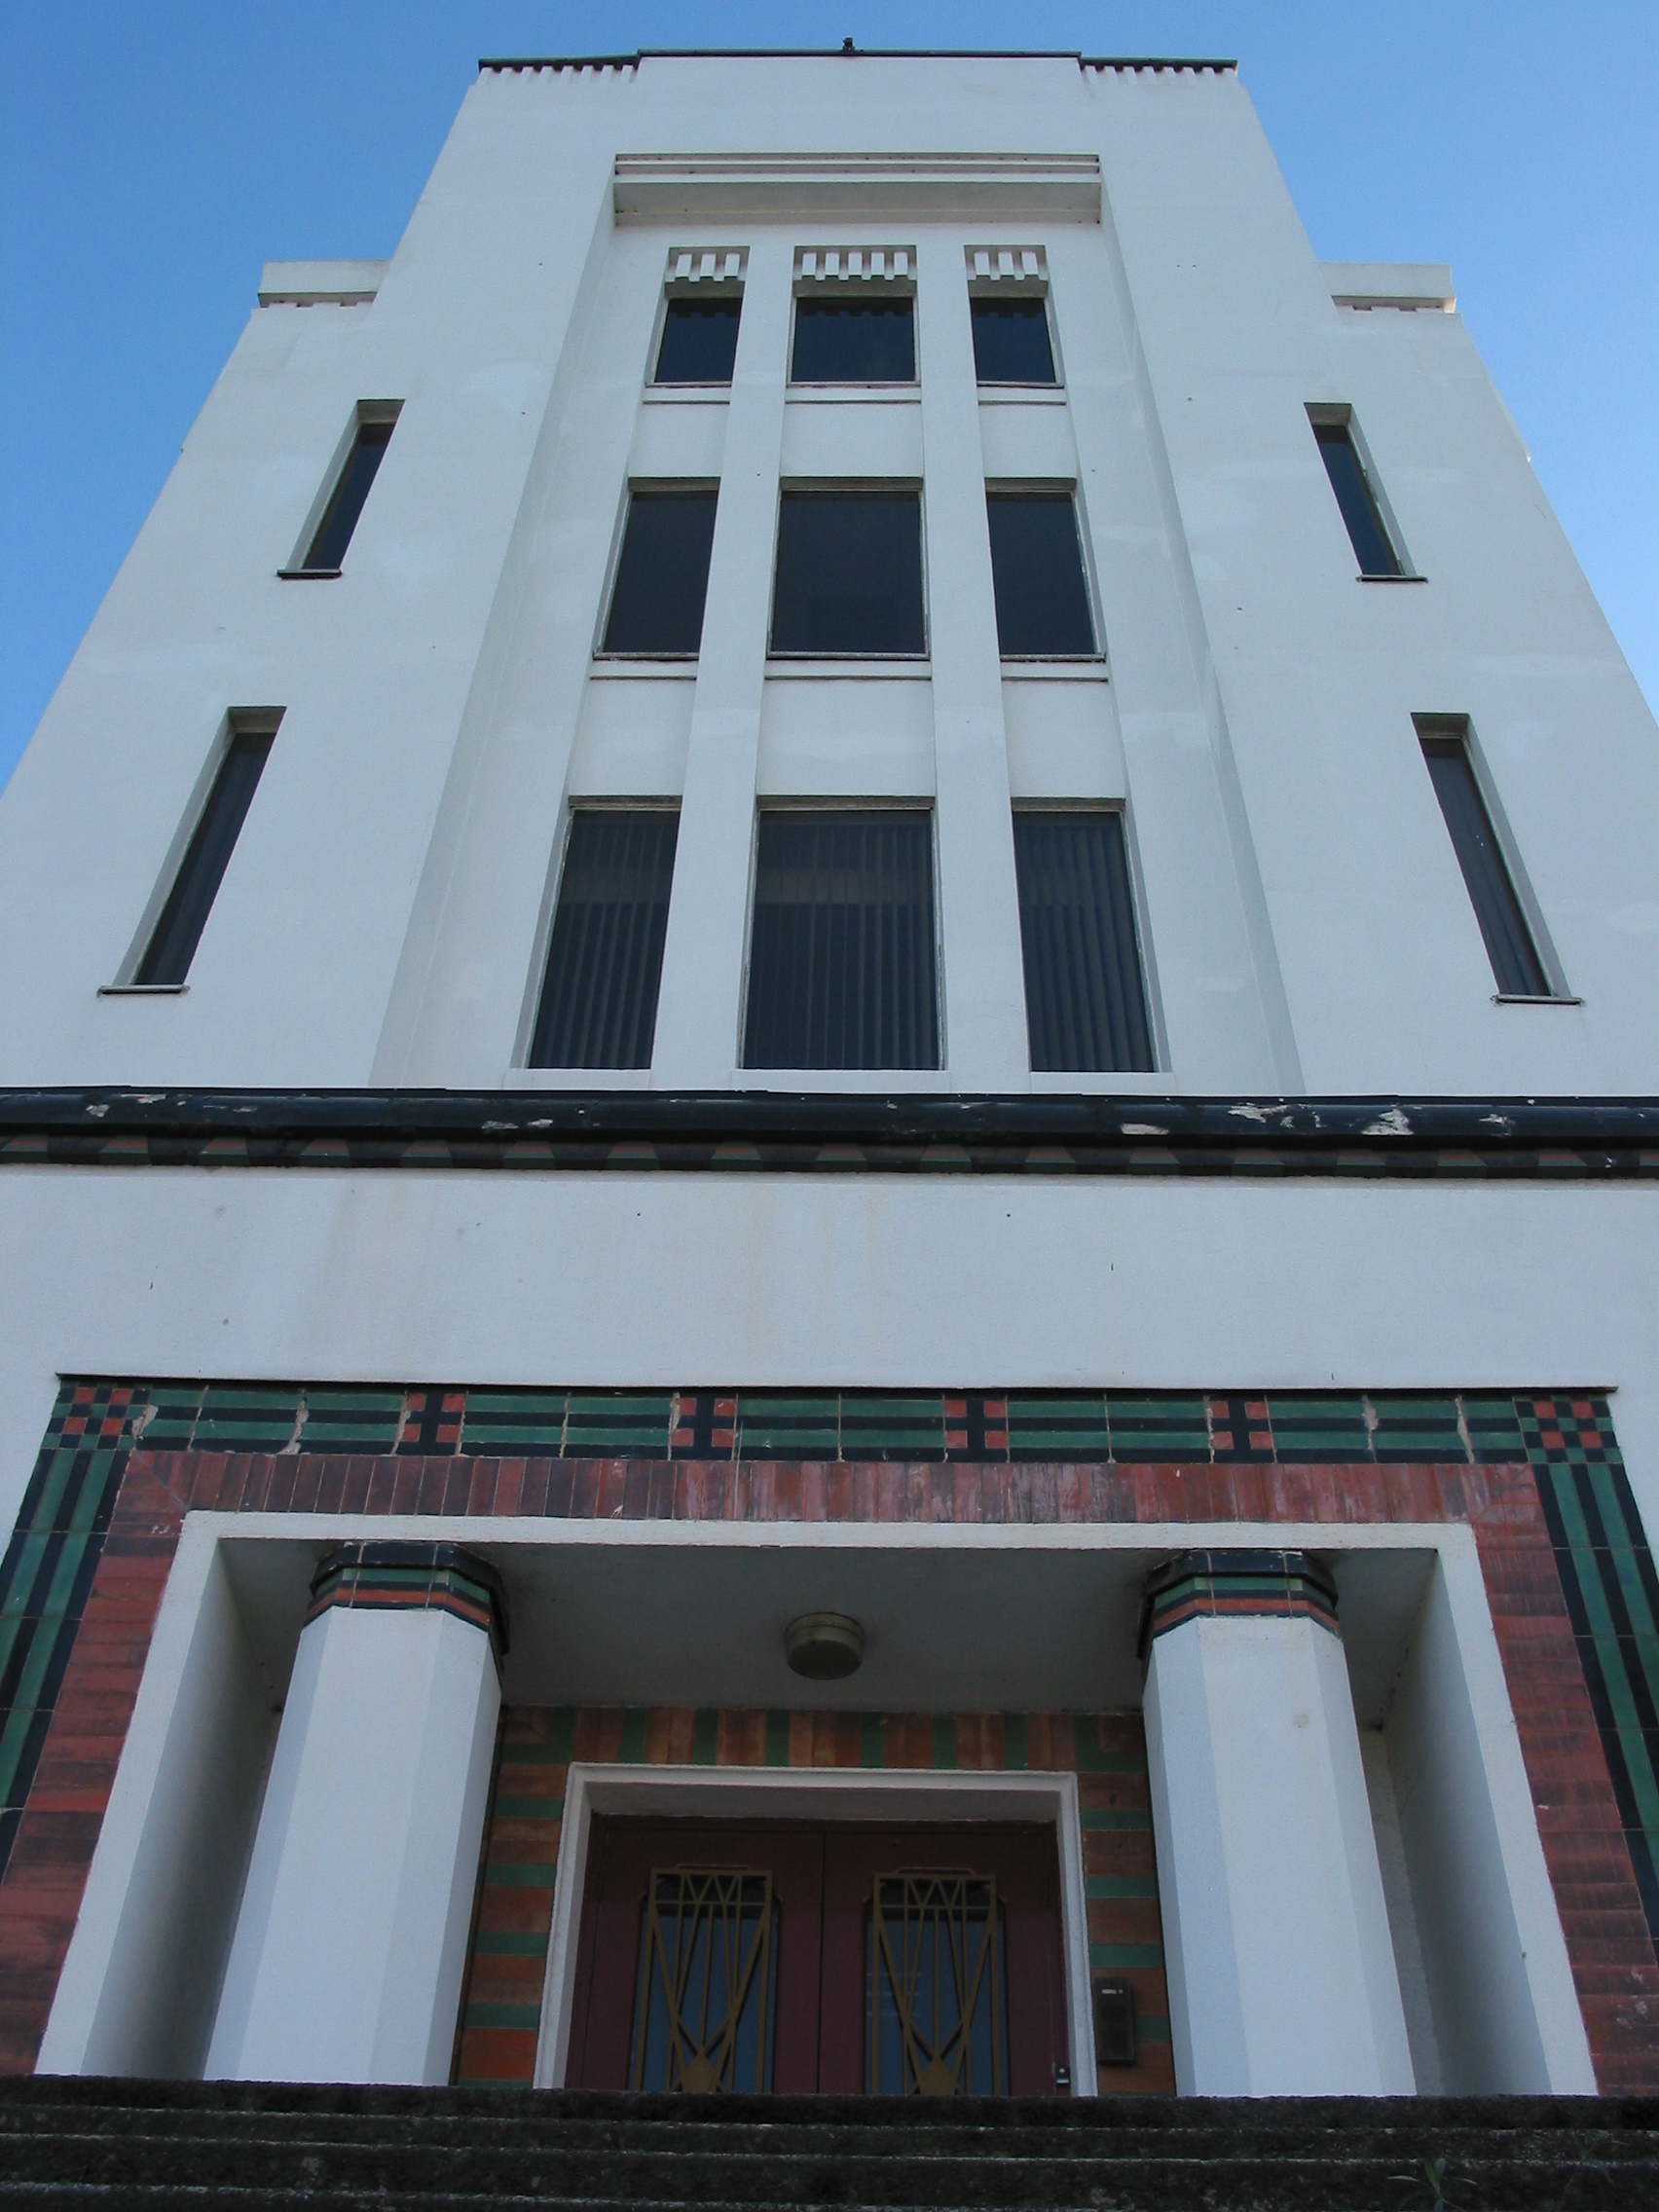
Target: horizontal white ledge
[
  {"x": 308, "y": 283},
  {"x": 661, "y": 187}
]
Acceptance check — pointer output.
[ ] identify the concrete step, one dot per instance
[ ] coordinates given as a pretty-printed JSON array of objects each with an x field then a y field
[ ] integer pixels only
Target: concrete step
[{"x": 81, "y": 2143}]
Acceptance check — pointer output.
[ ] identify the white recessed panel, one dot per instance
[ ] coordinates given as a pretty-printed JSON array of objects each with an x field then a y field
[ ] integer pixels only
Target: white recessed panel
[
  {"x": 1062, "y": 740},
  {"x": 874, "y": 437},
  {"x": 1027, "y": 442},
  {"x": 846, "y": 738},
  {"x": 679, "y": 437},
  {"x": 633, "y": 737}
]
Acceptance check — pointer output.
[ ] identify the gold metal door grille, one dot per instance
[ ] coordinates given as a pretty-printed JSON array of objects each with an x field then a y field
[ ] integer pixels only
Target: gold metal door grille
[
  {"x": 704, "y": 2007},
  {"x": 937, "y": 2026}
]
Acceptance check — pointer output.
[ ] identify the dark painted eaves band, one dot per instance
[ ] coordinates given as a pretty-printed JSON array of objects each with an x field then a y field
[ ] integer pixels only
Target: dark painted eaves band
[{"x": 770, "y": 1132}]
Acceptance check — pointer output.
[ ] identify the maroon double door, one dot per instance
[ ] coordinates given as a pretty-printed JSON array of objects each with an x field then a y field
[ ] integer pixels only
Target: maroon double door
[{"x": 841, "y": 1958}]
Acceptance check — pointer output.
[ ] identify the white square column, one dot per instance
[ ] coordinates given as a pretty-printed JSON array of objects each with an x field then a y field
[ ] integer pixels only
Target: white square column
[
  {"x": 1281, "y": 1968},
  {"x": 987, "y": 1044},
  {"x": 350, "y": 1943}
]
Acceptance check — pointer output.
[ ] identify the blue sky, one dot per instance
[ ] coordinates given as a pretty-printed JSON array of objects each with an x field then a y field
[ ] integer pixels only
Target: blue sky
[{"x": 151, "y": 156}]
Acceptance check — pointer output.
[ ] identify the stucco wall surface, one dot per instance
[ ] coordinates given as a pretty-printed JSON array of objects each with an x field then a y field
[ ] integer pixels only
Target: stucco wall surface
[{"x": 1305, "y": 921}]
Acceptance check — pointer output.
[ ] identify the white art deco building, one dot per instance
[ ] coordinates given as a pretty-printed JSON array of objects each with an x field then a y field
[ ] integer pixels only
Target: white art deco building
[{"x": 828, "y": 1170}]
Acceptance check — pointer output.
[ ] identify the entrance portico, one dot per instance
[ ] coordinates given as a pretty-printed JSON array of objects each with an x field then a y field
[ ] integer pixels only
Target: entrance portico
[{"x": 653, "y": 1650}]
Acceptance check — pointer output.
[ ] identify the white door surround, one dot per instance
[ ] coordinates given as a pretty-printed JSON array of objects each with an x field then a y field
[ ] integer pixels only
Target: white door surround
[{"x": 825, "y": 1793}]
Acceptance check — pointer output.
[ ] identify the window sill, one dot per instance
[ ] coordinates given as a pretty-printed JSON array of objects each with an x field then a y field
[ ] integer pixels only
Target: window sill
[
  {"x": 698, "y": 395},
  {"x": 1534, "y": 998},
  {"x": 913, "y": 668},
  {"x": 818, "y": 1082},
  {"x": 1391, "y": 579},
  {"x": 858, "y": 394},
  {"x": 1022, "y": 394},
  {"x": 681, "y": 666},
  {"x": 1103, "y": 1083},
  {"x": 1050, "y": 668},
  {"x": 308, "y": 575},
  {"x": 143, "y": 990},
  {"x": 576, "y": 1079}
]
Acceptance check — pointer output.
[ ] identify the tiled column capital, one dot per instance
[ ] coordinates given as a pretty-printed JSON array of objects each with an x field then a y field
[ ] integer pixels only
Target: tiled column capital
[
  {"x": 1234, "y": 1585},
  {"x": 414, "y": 1577}
]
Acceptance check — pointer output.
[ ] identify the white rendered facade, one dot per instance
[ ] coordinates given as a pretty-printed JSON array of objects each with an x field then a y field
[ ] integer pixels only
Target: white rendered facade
[{"x": 1304, "y": 929}]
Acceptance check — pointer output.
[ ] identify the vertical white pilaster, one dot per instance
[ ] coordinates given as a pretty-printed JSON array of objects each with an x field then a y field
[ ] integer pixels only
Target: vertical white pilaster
[
  {"x": 706, "y": 951},
  {"x": 350, "y": 1943},
  {"x": 986, "y": 1044},
  {"x": 1281, "y": 1969}
]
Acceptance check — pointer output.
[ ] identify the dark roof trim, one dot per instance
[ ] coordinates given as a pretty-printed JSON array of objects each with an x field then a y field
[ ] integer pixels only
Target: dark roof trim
[
  {"x": 1441, "y": 1139},
  {"x": 580, "y": 61}
]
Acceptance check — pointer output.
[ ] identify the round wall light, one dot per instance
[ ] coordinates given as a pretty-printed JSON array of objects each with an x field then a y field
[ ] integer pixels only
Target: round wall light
[{"x": 824, "y": 1647}]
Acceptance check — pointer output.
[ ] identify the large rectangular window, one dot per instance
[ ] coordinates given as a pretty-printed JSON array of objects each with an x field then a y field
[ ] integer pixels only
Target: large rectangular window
[
  {"x": 1036, "y": 571},
  {"x": 172, "y": 943},
  {"x": 1084, "y": 998},
  {"x": 599, "y": 999},
  {"x": 849, "y": 576},
  {"x": 699, "y": 340},
  {"x": 855, "y": 340},
  {"x": 662, "y": 577},
  {"x": 1361, "y": 510},
  {"x": 1011, "y": 341},
  {"x": 358, "y": 473},
  {"x": 1514, "y": 957},
  {"x": 842, "y": 972}
]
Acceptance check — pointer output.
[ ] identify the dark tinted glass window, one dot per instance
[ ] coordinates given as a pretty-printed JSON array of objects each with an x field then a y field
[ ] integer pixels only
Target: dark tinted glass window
[
  {"x": 599, "y": 1001},
  {"x": 663, "y": 575},
  {"x": 855, "y": 341},
  {"x": 1371, "y": 546},
  {"x": 841, "y": 970},
  {"x": 339, "y": 516},
  {"x": 849, "y": 573},
  {"x": 1036, "y": 568},
  {"x": 169, "y": 953},
  {"x": 1084, "y": 1002},
  {"x": 1509, "y": 944},
  {"x": 1010, "y": 342},
  {"x": 699, "y": 341}
]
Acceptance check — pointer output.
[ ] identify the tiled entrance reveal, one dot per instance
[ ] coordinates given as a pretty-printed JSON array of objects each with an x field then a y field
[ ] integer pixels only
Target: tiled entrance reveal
[
  {"x": 1537, "y": 1477},
  {"x": 500, "y": 2008}
]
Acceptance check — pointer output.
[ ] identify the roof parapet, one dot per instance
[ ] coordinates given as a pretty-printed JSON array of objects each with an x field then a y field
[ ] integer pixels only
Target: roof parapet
[{"x": 516, "y": 64}]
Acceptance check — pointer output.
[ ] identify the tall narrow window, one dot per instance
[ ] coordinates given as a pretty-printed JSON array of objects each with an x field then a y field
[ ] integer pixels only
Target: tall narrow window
[
  {"x": 1514, "y": 957},
  {"x": 350, "y": 489},
  {"x": 599, "y": 1000},
  {"x": 1373, "y": 548},
  {"x": 699, "y": 340},
  {"x": 1011, "y": 341},
  {"x": 856, "y": 340},
  {"x": 1084, "y": 1001},
  {"x": 1036, "y": 571},
  {"x": 173, "y": 946},
  {"x": 849, "y": 573},
  {"x": 662, "y": 578},
  {"x": 841, "y": 964}
]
